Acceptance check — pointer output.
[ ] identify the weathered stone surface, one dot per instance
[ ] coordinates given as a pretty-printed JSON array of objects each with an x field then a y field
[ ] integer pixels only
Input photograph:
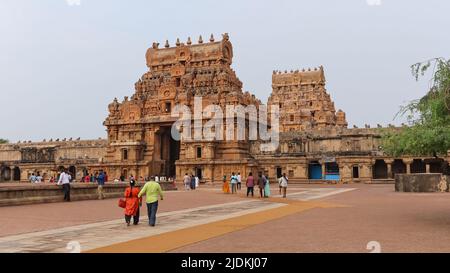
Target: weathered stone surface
[{"x": 421, "y": 182}]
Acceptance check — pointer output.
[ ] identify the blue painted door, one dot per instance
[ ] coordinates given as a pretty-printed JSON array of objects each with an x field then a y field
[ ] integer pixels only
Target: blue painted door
[{"x": 315, "y": 171}]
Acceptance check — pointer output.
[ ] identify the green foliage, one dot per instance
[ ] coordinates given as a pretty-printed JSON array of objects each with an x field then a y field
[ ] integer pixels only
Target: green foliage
[
  {"x": 428, "y": 117},
  {"x": 3, "y": 141}
]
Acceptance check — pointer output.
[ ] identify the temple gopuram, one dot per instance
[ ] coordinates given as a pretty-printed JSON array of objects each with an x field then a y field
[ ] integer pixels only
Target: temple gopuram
[{"x": 315, "y": 143}]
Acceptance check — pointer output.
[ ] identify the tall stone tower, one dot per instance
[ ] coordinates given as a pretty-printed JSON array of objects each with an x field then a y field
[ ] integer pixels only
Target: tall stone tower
[
  {"x": 303, "y": 100},
  {"x": 139, "y": 128}
]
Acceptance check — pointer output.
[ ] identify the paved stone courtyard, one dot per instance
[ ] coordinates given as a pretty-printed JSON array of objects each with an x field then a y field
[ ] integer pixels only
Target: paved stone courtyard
[{"x": 314, "y": 218}]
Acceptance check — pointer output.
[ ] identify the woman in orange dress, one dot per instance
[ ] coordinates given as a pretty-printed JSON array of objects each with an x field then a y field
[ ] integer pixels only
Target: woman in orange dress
[
  {"x": 226, "y": 185},
  {"x": 133, "y": 202}
]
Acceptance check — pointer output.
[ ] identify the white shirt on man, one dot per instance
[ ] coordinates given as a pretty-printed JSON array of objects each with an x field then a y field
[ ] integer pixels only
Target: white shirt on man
[{"x": 64, "y": 178}]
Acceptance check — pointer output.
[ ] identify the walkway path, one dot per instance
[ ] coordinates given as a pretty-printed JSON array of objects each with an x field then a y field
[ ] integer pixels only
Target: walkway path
[{"x": 174, "y": 229}]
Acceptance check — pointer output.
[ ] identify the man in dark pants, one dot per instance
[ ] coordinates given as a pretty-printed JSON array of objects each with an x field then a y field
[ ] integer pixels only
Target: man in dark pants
[
  {"x": 152, "y": 190},
  {"x": 261, "y": 184},
  {"x": 64, "y": 180}
]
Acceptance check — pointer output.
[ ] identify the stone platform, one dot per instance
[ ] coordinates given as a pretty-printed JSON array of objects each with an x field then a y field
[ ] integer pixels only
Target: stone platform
[
  {"x": 24, "y": 194},
  {"x": 422, "y": 182}
]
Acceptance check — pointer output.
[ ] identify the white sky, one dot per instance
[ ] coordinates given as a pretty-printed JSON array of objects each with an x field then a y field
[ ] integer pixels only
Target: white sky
[{"x": 61, "y": 64}]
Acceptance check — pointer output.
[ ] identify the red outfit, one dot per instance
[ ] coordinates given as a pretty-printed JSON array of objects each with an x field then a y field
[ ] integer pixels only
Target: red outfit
[{"x": 132, "y": 201}]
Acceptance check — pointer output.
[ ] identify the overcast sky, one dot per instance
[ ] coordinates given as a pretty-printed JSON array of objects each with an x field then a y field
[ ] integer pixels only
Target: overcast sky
[{"x": 63, "y": 61}]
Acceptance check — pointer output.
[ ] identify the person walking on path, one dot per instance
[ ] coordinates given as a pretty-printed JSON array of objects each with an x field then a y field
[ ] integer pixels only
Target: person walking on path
[
  {"x": 239, "y": 181},
  {"x": 152, "y": 191},
  {"x": 197, "y": 181},
  {"x": 64, "y": 180},
  {"x": 132, "y": 203},
  {"x": 250, "y": 184},
  {"x": 226, "y": 185},
  {"x": 100, "y": 183},
  {"x": 261, "y": 184},
  {"x": 186, "y": 181},
  {"x": 284, "y": 184},
  {"x": 267, "y": 187},
  {"x": 192, "y": 182},
  {"x": 233, "y": 182}
]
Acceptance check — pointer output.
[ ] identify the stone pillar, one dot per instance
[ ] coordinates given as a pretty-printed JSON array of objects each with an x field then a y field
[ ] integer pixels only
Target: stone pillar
[
  {"x": 389, "y": 167},
  {"x": 427, "y": 166},
  {"x": 408, "y": 163},
  {"x": 323, "y": 170}
]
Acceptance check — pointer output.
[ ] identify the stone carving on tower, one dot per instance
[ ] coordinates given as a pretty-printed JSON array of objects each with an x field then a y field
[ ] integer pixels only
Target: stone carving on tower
[{"x": 303, "y": 100}]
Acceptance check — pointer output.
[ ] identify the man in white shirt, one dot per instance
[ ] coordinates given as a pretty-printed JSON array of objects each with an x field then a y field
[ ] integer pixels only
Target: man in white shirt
[
  {"x": 64, "y": 180},
  {"x": 239, "y": 181},
  {"x": 197, "y": 181}
]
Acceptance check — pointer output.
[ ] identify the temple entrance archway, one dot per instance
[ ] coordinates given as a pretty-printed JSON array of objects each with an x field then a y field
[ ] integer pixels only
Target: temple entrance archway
[
  {"x": 380, "y": 170},
  {"x": 169, "y": 151}
]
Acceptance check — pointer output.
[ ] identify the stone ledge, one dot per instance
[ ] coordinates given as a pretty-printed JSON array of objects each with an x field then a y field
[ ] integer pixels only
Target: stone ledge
[{"x": 35, "y": 194}]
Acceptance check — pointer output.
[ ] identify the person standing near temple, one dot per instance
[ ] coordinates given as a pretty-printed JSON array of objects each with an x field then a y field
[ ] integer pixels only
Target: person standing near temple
[
  {"x": 197, "y": 181},
  {"x": 239, "y": 181},
  {"x": 250, "y": 184},
  {"x": 226, "y": 185},
  {"x": 233, "y": 181},
  {"x": 100, "y": 183},
  {"x": 64, "y": 180},
  {"x": 192, "y": 182},
  {"x": 284, "y": 184},
  {"x": 132, "y": 203},
  {"x": 267, "y": 187},
  {"x": 186, "y": 181},
  {"x": 261, "y": 185},
  {"x": 32, "y": 178},
  {"x": 152, "y": 191}
]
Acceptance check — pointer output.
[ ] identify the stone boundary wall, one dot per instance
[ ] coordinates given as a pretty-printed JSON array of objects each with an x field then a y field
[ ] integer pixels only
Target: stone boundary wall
[
  {"x": 422, "y": 182},
  {"x": 34, "y": 194}
]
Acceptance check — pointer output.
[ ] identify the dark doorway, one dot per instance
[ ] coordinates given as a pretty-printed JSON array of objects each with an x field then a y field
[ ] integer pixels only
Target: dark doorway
[
  {"x": 398, "y": 167},
  {"x": 279, "y": 172},
  {"x": 314, "y": 170},
  {"x": 73, "y": 172},
  {"x": 198, "y": 172},
  {"x": 170, "y": 152},
  {"x": 5, "y": 174},
  {"x": 355, "y": 172},
  {"x": 16, "y": 174},
  {"x": 437, "y": 165},
  {"x": 380, "y": 170},
  {"x": 418, "y": 166}
]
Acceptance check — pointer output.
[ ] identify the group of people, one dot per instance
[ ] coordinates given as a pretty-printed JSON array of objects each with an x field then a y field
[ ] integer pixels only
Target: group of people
[
  {"x": 262, "y": 181},
  {"x": 133, "y": 201},
  {"x": 35, "y": 178},
  {"x": 190, "y": 182},
  {"x": 96, "y": 177}
]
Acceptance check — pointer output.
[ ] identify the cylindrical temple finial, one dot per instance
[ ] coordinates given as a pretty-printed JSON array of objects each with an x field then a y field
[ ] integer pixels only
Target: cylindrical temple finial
[
  {"x": 167, "y": 44},
  {"x": 189, "y": 42},
  {"x": 211, "y": 39},
  {"x": 177, "y": 42},
  {"x": 200, "y": 40}
]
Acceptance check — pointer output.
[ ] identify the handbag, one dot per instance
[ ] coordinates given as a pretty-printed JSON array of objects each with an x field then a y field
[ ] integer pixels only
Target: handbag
[{"x": 122, "y": 203}]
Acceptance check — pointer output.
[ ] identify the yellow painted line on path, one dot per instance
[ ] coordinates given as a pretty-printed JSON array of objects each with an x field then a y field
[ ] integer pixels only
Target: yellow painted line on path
[{"x": 175, "y": 239}]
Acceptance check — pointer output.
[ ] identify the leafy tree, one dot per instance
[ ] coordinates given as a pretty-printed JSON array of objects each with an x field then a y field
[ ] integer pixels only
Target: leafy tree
[
  {"x": 428, "y": 132},
  {"x": 2, "y": 141}
]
